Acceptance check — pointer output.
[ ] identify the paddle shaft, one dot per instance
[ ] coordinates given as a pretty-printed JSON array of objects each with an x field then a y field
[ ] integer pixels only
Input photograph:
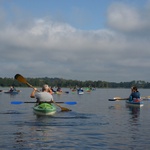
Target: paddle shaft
[
  {"x": 119, "y": 98},
  {"x": 20, "y": 102},
  {"x": 142, "y": 97},
  {"x": 122, "y": 99},
  {"x": 112, "y": 99},
  {"x": 50, "y": 102}
]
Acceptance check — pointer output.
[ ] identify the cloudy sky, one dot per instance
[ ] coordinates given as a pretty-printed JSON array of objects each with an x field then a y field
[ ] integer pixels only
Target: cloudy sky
[{"x": 106, "y": 40}]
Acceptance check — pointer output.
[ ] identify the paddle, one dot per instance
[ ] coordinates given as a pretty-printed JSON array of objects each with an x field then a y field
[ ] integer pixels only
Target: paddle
[
  {"x": 115, "y": 99},
  {"x": 145, "y": 97},
  {"x": 119, "y": 98},
  {"x": 20, "y": 102},
  {"x": 21, "y": 79}
]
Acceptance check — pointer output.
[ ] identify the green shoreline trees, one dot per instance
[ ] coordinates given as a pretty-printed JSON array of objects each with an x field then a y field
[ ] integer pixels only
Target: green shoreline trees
[{"x": 38, "y": 82}]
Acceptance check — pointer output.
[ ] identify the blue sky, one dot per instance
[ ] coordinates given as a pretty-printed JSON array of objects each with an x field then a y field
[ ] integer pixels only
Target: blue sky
[
  {"x": 82, "y": 14},
  {"x": 75, "y": 39}
]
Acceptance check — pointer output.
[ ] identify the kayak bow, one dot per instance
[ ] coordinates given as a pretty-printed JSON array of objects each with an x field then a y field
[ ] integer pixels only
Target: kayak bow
[
  {"x": 136, "y": 102},
  {"x": 44, "y": 109}
]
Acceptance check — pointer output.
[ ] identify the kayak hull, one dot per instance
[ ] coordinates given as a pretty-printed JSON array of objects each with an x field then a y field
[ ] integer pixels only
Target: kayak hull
[
  {"x": 59, "y": 93},
  {"x": 11, "y": 92},
  {"x": 136, "y": 102},
  {"x": 80, "y": 93},
  {"x": 44, "y": 109}
]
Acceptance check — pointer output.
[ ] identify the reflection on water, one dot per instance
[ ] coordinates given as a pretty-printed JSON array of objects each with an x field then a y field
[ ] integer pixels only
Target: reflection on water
[
  {"x": 11, "y": 112},
  {"x": 134, "y": 111},
  {"x": 134, "y": 126},
  {"x": 115, "y": 107},
  {"x": 51, "y": 132}
]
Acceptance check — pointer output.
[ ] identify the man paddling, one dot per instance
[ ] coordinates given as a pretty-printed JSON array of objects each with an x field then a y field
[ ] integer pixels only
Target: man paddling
[{"x": 43, "y": 96}]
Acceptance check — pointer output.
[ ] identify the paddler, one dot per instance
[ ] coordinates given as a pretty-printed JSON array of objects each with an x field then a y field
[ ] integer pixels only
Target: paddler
[
  {"x": 135, "y": 94},
  {"x": 44, "y": 95}
]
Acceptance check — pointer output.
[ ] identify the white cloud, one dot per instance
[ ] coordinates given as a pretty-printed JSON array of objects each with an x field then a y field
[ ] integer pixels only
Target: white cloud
[
  {"x": 44, "y": 47},
  {"x": 128, "y": 19}
]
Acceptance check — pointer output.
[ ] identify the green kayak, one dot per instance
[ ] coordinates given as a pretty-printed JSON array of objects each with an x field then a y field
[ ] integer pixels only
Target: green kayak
[{"x": 44, "y": 109}]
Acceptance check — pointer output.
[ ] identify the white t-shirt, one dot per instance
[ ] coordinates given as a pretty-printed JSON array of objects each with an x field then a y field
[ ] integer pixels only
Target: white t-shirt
[{"x": 44, "y": 96}]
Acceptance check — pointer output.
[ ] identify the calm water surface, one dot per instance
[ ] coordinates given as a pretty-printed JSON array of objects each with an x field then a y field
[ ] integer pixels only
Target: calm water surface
[{"x": 93, "y": 123}]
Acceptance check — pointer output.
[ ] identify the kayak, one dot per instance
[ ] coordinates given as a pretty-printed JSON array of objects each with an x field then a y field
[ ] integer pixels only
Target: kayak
[
  {"x": 135, "y": 102},
  {"x": 88, "y": 91},
  {"x": 44, "y": 109},
  {"x": 80, "y": 92},
  {"x": 11, "y": 92},
  {"x": 59, "y": 92},
  {"x": 73, "y": 91}
]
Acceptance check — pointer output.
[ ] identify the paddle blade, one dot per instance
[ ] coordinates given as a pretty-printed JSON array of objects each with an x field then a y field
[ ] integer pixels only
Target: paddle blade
[
  {"x": 20, "y": 78},
  {"x": 70, "y": 103},
  {"x": 112, "y": 99},
  {"x": 65, "y": 109},
  {"x": 17, "y": 102},
  {"x": 116, "y": 99}
]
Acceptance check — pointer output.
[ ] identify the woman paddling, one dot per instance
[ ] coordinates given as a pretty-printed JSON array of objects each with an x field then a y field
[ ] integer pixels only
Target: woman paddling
[{"x": 135, "y": 94}]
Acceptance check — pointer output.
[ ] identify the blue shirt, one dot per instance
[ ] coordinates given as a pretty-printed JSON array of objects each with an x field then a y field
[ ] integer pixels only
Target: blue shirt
[{"x": 134, "y": 95}]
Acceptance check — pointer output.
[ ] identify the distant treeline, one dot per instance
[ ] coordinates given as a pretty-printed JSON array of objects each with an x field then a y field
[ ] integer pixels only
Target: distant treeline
[{"x": 59, "y": 82}]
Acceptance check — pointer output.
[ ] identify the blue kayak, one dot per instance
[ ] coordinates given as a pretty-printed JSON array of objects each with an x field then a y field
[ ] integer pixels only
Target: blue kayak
[
  {"x": 11, "y": 92},
  {"x": 80, "y": 92},
  {"x": 136, "y": 102}
]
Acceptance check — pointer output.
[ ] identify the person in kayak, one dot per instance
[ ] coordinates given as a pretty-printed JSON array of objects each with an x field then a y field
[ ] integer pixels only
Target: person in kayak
[
  {"x": 43, "y": 96},
  {"x": 12, "y": 88},
  {"x": 135, "y": 94},
  {"x": 59, "y": 89}
]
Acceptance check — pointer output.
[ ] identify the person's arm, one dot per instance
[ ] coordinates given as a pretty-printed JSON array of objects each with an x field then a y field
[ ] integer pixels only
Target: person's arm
[
  {"x": 33, "y": 93},
  {"x": 131, "y": 96},
  {"x": 50, "y": 91},
  {"x": 139, "y": 95},
  {"x": 52, "y": 99}
]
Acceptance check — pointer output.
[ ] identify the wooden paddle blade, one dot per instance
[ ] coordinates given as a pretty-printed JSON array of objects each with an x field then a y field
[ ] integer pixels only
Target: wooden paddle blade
[
  {"x": 145, "y": 97},
  {"x": 20, "y": 78},
  {"x": 117, "y": 97},
  {"x": 65, "y": 109}
]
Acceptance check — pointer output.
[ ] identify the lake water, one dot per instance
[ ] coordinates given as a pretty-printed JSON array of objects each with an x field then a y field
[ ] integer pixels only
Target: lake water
[{"x": 93, "y": 124}]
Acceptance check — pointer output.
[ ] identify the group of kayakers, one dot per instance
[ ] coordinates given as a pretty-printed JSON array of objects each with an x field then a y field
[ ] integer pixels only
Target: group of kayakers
[{"x": 46, "y": 94}]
